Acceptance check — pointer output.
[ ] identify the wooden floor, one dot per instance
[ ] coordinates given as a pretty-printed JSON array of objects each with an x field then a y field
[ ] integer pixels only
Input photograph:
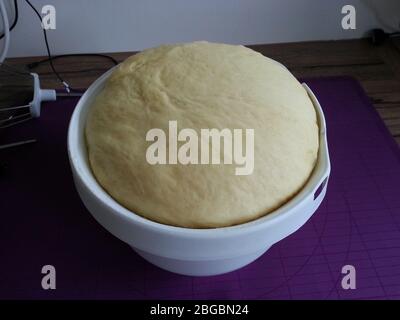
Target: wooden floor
[{"x": 377, "y": 68}]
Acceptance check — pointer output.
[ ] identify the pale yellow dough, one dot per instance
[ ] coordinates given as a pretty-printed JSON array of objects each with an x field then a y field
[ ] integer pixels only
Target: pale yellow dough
[{"x": 202, "y": 85}]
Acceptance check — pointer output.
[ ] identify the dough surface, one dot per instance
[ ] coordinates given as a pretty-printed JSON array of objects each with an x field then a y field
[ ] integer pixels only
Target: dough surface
[{"x": 202, "y": 85}]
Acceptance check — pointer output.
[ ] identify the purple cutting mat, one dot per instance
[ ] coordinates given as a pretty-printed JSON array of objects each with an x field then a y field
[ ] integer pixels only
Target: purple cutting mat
[{"x": 44, "y": 222}]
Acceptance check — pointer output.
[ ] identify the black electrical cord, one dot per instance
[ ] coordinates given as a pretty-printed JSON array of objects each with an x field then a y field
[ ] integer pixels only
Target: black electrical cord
[
  {"x": 50, "y": 58},
  {"x": 37, "y": 63},
  {"x": 15, "y": 18},
  {"x": 64, "y": 83}
]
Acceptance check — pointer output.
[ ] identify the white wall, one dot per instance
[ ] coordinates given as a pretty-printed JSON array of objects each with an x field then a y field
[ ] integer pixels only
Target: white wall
[{"x": 127, "y": 25}]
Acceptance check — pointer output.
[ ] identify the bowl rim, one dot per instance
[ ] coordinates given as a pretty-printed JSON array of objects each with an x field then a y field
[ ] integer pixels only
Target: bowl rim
[{"x": 318, "y": 177}]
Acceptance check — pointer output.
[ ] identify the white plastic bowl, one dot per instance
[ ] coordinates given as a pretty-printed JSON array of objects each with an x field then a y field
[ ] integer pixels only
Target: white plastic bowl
[{"x": 198, "y": 252}]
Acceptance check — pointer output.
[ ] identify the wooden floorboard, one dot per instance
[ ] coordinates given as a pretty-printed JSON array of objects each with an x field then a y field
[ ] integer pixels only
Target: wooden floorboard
[{"x": 376, "y": 68}]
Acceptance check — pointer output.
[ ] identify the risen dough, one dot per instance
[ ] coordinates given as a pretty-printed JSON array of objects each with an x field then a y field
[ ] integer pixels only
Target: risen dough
[{"x": 202, "y": 85}]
